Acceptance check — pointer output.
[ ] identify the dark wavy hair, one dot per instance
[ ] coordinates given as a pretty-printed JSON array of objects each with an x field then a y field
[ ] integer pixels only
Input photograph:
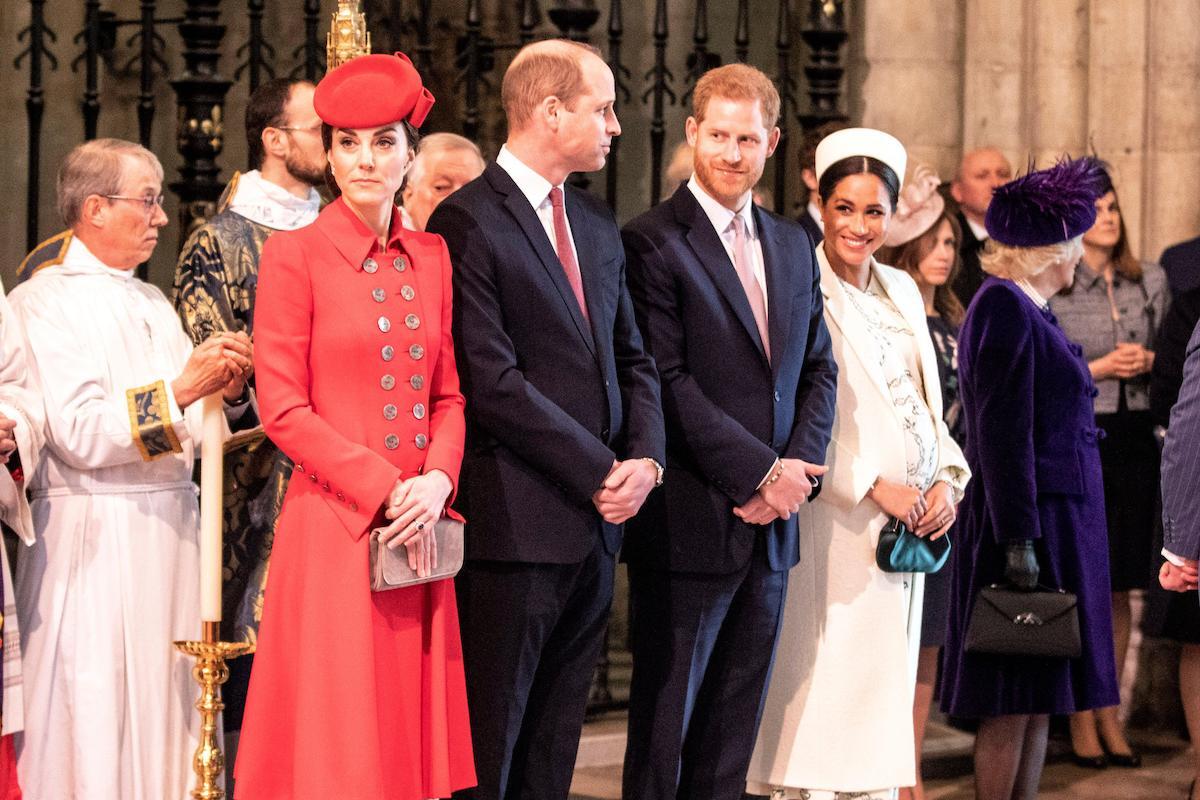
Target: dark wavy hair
[
  {"x": 410, "y": 134},
  {"x": 859, "y": 165},
  {"x": 909, "y": 256}
]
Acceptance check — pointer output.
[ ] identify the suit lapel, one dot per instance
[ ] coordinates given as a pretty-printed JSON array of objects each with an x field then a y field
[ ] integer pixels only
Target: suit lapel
[
  {"x": 780, "y": 291},
  {"x": 518, "y": 205},
  {"x": 711, "y": 253},
  {"x": 855, "y": 334},
  {"x": 913, "y": 311}
]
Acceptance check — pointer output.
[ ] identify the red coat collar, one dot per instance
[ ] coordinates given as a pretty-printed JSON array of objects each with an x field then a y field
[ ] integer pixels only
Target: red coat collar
[{"x": 352, "y": 238}]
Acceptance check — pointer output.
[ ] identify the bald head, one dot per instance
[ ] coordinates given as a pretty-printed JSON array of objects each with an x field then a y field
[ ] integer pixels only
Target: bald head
[
  {"x": 550, "y": 68},
  {"x": 445, "y": 163},
  {"x": 979, "y": 173}
]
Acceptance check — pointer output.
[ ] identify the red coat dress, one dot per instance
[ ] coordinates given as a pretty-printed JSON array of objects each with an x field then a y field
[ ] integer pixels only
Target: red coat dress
[{"x": 354, "y": 695}]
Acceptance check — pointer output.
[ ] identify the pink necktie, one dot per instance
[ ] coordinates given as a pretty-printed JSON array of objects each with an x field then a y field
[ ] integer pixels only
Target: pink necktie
[
  {"x": 742, "y": 264},
  {"x": 566, "y": 253}
]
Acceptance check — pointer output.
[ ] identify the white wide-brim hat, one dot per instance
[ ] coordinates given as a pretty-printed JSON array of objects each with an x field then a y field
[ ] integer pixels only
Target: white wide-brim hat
[{"x": 852, "y": 142}]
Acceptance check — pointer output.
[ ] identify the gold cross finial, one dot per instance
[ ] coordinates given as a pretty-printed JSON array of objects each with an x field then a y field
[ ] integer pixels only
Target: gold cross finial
[{"x": 348, "y": 35}]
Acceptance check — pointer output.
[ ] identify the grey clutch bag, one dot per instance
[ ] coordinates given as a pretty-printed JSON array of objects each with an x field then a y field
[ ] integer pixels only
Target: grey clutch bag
[{"x": 390, "y": 569}]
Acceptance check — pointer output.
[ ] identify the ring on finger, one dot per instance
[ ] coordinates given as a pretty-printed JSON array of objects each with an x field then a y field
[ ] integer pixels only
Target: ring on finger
[{"x": 420, "y": 526}]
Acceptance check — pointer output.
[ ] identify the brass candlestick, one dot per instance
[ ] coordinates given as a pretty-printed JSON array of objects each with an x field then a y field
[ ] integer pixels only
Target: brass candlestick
[{"x": 210, "y": 672}]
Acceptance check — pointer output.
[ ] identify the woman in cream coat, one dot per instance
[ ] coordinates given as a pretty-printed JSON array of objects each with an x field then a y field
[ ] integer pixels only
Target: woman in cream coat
[{"x": 838, "y": 713}]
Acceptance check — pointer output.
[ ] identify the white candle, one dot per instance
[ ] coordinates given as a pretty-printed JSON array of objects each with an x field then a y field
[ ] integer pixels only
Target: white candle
[{"x": 211, "y": 491}]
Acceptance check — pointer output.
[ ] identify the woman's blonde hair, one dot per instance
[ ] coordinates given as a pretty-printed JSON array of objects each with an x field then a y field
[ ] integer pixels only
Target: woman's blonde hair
[{"x": 1016, "y": 263}]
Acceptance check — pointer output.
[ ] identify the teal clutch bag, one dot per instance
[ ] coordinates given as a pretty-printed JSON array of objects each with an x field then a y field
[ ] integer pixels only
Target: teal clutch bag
[{"x": 901, "y": 550}]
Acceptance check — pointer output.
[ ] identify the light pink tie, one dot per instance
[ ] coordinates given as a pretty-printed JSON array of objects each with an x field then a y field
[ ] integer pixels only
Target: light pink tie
[
  {"x": 566, "y": 253},
  {"x": 742, "y": 264}
]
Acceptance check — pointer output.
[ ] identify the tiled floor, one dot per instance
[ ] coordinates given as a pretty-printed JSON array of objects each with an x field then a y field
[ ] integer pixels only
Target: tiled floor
[{"x": 1167, "y": 772}]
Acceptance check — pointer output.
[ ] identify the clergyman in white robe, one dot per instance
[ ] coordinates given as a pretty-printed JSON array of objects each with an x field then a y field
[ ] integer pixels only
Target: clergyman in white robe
[
  {"x": 21, "y": 402},
  {"x": 111, "y": 580}
]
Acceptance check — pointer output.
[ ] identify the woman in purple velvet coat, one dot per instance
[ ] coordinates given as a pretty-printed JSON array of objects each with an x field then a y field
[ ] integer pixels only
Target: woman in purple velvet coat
[{"x": 1035, "y": 512}]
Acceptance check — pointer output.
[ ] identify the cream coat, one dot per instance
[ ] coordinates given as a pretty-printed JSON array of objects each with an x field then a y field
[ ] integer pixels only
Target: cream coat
[{"x": 838, "y": 714}]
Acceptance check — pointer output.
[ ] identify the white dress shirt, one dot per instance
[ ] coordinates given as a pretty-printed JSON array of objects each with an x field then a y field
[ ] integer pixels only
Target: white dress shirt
[
  {"x": 977, "y": 228},
  {"x": 814, "y": 211},
  {"x": 537, "y": 190},
  {"x": 722, "y": 220}
]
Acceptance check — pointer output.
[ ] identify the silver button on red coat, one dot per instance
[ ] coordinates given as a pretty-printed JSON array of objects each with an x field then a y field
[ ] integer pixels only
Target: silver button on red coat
[
  {"x": 416, "y": 352},
  {"x": 385, "y": 324},
  {"x": 391, "y": 441},
  {"x": 388, "y": 352},
  {"x": 389, "y": 412},
  {"x": 417, "y": 381},
  {"x": 378, "y": 295},
  {"x": 370, "y": 266},
  {"x": 408, "y": 292},
  {"x": 422, "y": 441},
  {"x": 412, "y": 321},
  {"x": 419, "y": 411},
  {"x": 388, "y": 382},
  {"x": 400, "y": 263}
]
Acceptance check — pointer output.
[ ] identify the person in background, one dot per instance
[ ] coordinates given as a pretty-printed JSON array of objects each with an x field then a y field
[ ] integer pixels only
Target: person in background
[
  {"x": 923, "y": 241},
  {"x": 1035, "y": 511},
  {"x": 564, "y": 419},
  {"x": 22, "y": 437},
  {"x": 809, "y": 215},
  {"x": 678, "y": 169},
  {"x": 1113, "y": 310},
  {"x": 1181, "y": 262},
  {"x": 216, "y": 281},
  {"x": 979, "y": 173},
  {"x": 445, "y": 163},
  {"x": 728, "y": 299},
  {"x": 111, "y": 579},
  {"x": 837, "y": 722},
  {"x": 358, "y": 693}
]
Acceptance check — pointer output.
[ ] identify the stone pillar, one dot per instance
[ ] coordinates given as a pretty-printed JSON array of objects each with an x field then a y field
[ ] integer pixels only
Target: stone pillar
[
  {"x": 1171, "y": 211},
  {"x": 1056, "y": 80},
  {"x": 994, "y": 78},
  {"x": 1117, "y": 93},
  {"x": 913, "y": 82}
]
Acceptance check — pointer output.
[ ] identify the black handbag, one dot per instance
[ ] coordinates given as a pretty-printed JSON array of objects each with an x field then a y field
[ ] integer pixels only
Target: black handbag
[
  {"x": 901, "y": 550},
  {"x": 1008, "y": 621}
]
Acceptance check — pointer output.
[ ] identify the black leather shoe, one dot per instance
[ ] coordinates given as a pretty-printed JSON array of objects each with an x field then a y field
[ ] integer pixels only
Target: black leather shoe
[
  {"x": 1089, "y": 762},
  {"x": 1128, "y": 760}
]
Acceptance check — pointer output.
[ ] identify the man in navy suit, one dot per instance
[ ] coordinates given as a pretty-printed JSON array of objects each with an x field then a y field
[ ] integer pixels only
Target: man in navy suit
[
  {"x": 564, "y": 419},
  {"x": 1181, "y": 480},
  {"x": 810, "y": 216},
  {"x": 1181, "y": 262},
  {"x": 728, "y": 300},
  {"x": 979, "y": 173}
]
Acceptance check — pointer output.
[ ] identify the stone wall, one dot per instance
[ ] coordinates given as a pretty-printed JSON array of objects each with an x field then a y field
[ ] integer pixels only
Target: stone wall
[{"x": 1038, "y": 78}]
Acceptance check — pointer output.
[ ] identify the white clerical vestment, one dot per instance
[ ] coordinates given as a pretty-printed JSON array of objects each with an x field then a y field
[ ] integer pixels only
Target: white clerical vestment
[
  {"x": 111, "y": 580},
  {"x": 21, "y": 402}
]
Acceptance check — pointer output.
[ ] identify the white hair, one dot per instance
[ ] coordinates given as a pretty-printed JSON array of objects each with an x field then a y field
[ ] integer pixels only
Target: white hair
[{"x": 441, "y": 143}]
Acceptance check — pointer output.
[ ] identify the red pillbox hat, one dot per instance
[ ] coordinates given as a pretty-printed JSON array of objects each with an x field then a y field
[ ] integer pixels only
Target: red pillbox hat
[{"x": 373, "y": 90}]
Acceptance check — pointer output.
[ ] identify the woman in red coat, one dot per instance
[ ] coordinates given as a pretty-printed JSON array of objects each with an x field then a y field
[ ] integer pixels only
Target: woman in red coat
[{"x": 358, "y": 695}]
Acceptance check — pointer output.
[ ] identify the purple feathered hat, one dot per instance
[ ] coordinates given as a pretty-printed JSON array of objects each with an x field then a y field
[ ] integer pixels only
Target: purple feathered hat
[{"x": 1047, "y": 206}]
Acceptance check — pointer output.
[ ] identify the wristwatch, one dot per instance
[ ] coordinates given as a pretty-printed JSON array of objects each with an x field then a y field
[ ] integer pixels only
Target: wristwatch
[{"x": 659, "y": 471}]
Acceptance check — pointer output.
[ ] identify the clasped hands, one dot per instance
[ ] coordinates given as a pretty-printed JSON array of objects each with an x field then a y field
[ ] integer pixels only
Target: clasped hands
[
  {"x": 624, "y": 489},
  {"x": 8, "y": 438},
  {"x": 1179, "y": 579},
  {"x": 929, "y": 513},
  {"x": 222, "y": 362},
  {"x": 413, "y": 506},
  {"x": 1128, "y": 360},
  {"x": 783, "y": 493}
]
